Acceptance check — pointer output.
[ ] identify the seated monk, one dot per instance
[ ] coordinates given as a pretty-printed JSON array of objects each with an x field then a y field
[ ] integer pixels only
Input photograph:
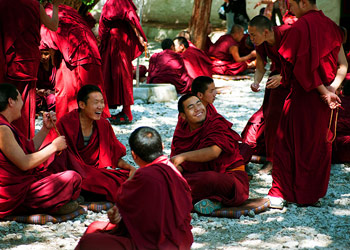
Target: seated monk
[
  {"x": 205, "y": 149},
  {"x": 231, "y": 54},
  {"x": 197, "y": 63},
  {"x": 152, "y": 209},
  {"x": 94, "y": 146},
  {"x": 168, "y": 67},
  {"x": 341, "y": 145},
  {"x": 25, "y": 186}
]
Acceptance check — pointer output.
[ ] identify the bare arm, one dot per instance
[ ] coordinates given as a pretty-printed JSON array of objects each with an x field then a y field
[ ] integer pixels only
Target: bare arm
[
  {"x": 235, "y": 54},
  {"x": 124, "y": 165},
  {"x": 341, "y": 72},
  {"x": 50, "y": 22},
  {"x": 200, "y": 155},
  {"x": 259, "y": 73},
  {"x": 13, "y": 151},
  {"x": 264, "y": 2},
  {"x": 48, "y": 119},
  {"x": 330, "y": 98}
]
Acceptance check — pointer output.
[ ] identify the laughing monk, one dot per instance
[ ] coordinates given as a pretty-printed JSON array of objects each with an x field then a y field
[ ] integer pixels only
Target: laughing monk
[
  {"x": 205, "y": 149},
  {"x": 20, "y": 22},
  {"x": 93, "y": 145},
  {"x": 314, "y": 64},
  {"x": 25, "y": 186},
  {"x": 152, "y": 209}
]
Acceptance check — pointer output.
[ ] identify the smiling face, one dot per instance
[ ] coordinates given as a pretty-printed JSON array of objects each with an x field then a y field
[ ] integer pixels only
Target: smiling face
[
  {"x": 93, "y": 107},
  {"x": 195, "y": 112}
]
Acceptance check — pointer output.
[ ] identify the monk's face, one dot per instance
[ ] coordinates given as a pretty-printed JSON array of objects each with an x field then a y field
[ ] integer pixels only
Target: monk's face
[
  {"x": 179, "y": 48},
  {"x": 45, "y": 56},
  {"x": 237, "y": 36},
  {"x": 17, "y": 105},
  {"x": 93, "y": 107},
  {"x": 208, "y": 97},
  {"x": 195, "y": 112},
  {"x": 297, "y": 8},
  {"x": 256, "y": 36}
]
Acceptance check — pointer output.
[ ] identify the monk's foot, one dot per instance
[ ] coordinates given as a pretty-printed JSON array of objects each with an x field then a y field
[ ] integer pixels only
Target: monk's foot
[
  {"x": 119, "y": 119},
  {"x": 266, "y": 169},
  {"x": 207, "y": 206},
  {"x": 276, "y": 202},
  {"x": 316, "y": 204},
  {"x": 67, "y": 208}
]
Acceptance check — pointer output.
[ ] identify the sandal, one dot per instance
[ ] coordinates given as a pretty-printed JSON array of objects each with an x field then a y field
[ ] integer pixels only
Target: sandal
[
  {"x": 276, "y": 202},
  {"x": 119, "y": 119}
]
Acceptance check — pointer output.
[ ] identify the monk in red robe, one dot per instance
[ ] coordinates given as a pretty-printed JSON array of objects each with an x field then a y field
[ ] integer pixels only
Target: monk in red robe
[
  {"x": 314, "y": 64},
  {"x": 80, "y": 61},
  {"x": 26, "y": 187},
  {"x": 122, "y": 40},
  {"x": 153, "y": 207},
  {"x": 93, "y": 145},
  {"x": 230, "y": 54},
  {"x": 168, "y": 67},
  {"x": 20, "y": 56},
  {"x": 197, "y": 63},
  {"x": 341, "y": 145},
  {"x": 205, "y": 149},
  {"x": 266, "y": 39}
]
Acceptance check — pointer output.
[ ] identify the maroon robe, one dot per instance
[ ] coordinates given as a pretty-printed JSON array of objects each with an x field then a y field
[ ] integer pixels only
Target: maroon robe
[
  {"x": 81, "y": 61},
  {"x": 218, "y": 179},
  {"x": 301, "y": 165},
  {"x": 103, "y": 150},
  {"x": 223, "y": 62},
  {"x": 36, "y": 190},
  {"x": 208, "y": 44},
  {"x": 168, "y": 67},
  {"x": 341, "y": 145},
  {"x": 274, "y": 98},
  {"x": 197, "y": 63},
  {"x": 119, "y": 46},
  {"x": 20, "y": 55},
  {"x": 155, "y": 206},
  {"x": 46, "y": 80}
]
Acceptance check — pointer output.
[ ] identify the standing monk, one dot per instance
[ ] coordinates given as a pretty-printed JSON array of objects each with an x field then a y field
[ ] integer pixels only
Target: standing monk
[
  {"x": 80, "y": 60},
  {"x": 311, "y": 53},
  {"x": 20, "y": 22},
  {"x": 122, "y": 40}
]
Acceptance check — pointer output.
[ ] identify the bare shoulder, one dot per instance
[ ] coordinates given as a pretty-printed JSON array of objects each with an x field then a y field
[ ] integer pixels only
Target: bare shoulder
[{"x": 6, "y": 135}]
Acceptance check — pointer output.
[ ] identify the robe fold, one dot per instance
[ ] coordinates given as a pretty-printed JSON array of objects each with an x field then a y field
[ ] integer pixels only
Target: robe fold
[
  {"x": 81, "y": 60},
  {"x": 90, "y": 161},
  {"x": 301, "y": 165},
  {"x": 217, "y": 179},
  {"x": 155, "y": 206},
  {"x": 168, "y": 67},
  {"x": 274, "y": 98},
  {"x": 20, "y": 55},
  {"x": 37, "y": 190},
  {"x": 341, "y": 145},
  {"x": 197, "y": 63},
  {"x": 46, "y": 80},
  {"x": 223, "y": 62},
  {"x": 119, "y": 46}
]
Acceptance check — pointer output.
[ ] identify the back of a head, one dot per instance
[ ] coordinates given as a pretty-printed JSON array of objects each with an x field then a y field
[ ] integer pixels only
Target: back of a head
[
  {"x": 7, "y": 91},
  {"x": 346, "y": 88},
  {"x": 180, "y": 106},
  {"x": 236, "y": 29},
  {"x": 83, "y": 93},
  {"x": 200, "y": 84},
  {"x": 167, "y": 43},
  {"x": 182, "y": 41},
  {"x": 146, "y": 143},
  {"x": 261, "y": 23}
]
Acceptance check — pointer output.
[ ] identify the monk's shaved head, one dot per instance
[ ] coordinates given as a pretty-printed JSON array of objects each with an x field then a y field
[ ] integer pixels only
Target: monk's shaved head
[
  {"x": 261, "y": 23},
  {"x": 237, "y": 28},
  {"x": 181, "y": 41},
  {"x": 7, "y": 91},
  {"x": 167, "y": 43},
  {"x": 200, "y": 84}
]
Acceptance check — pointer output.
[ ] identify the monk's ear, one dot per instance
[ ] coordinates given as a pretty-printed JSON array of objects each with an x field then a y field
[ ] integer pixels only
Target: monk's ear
[
  {"x": 200, "y": 95},
  {"x": 82, "y": 105},
  {"x": 134, "y": 156},
  {"x": 162, "y": 146},
  {"x": 183, "y": 116}
]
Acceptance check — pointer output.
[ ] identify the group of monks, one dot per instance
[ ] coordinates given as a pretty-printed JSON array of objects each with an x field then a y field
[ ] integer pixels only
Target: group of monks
[{"x": 80, "y": 157}]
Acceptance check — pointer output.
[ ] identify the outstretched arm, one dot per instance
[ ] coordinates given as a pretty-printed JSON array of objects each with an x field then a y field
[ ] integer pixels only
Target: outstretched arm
[
  {"x": 259, "y": 73},
  {"x": 50, "y": 22},
  {"x": 124, "y": 165},
  {"x": 235, "y": 54}
]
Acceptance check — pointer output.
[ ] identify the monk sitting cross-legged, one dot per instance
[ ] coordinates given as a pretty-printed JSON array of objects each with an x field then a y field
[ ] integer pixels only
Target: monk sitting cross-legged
[
  {"x": 94, "y": 146},
  {"x": 205, "y": 149},
  {"x": 25, "y": 186},
  {"x": 152, "y": 209}
]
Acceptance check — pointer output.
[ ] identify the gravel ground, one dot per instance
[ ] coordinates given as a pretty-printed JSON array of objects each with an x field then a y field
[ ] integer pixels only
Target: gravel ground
[{"x": 293, "y": 227}]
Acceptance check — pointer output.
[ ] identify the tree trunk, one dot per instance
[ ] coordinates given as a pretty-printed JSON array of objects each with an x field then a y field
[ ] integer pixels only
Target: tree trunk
[{"x": 199, "y": 22}]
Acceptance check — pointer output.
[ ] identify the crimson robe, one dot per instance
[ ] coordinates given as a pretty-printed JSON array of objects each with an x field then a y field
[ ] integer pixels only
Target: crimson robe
[
  {"x": 302, "y": 159},
  {"x": 38, "y": 190},
  {"x": 103, "y": 150},
  {"x": 46, "y": 80},
  {"x": 155, "y": 206},
  {"x": 223, "y": 62},
  {"x": 119, "y": 46},
  {"x": 217, "y": 179},
  {"x": 20, "y": 55},
  {"x": 81, "y": 61},
  {"x": 197, "y": 63},
  {"x": 208, "y": 44},
  {"x": 168, "y": 67},
  {"x": 341, "y": 145},
  {"x": 273, "y": 98}
]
